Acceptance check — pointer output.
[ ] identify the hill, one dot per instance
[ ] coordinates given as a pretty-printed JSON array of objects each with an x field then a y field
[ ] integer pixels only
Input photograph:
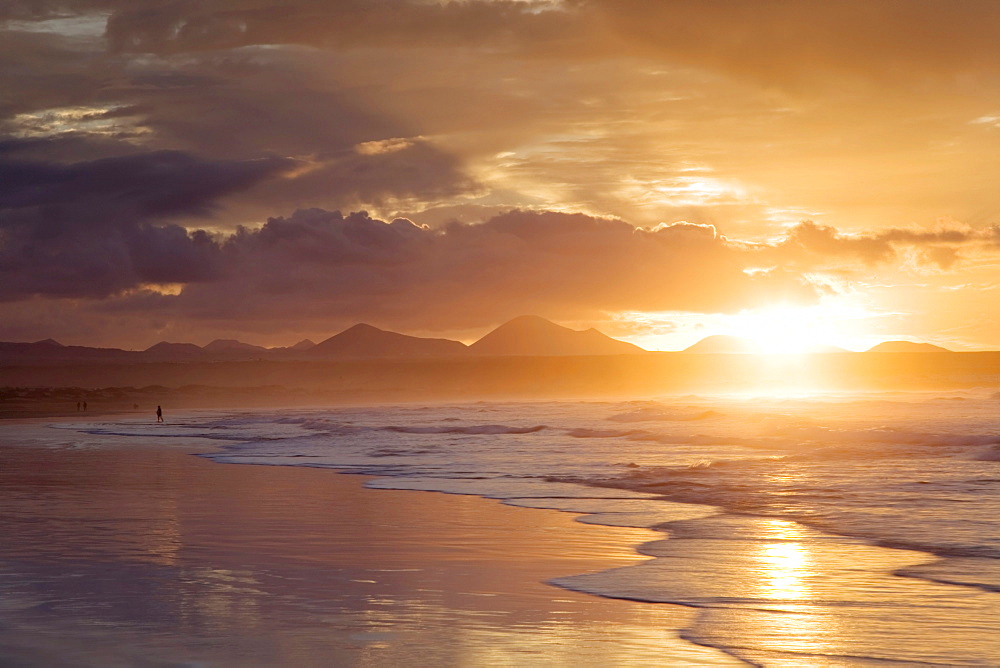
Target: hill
[
  {"x": 906, "y": 347},
  {"x": 724, "y": 343},
  {"x": 174, "y": 351},
  {"x": 531, "y": 335},
  {"x": 49, "y": 351},
  {"x": 227, "y": 345},
  {"x": 363, "y": 340}
]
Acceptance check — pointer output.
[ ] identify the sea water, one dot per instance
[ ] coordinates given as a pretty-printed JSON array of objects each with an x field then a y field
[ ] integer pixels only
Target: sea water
[{"x": 812, "y": 531}]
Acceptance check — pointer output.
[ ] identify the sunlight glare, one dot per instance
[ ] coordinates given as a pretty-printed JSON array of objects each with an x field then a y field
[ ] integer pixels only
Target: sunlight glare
[
  {"x": 785, "y": 565},
  {"x": 788, "y": 329}
]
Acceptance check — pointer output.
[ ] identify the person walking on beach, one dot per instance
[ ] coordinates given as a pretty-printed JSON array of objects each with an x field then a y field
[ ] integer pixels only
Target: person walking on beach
[{"x": 159, "y": 414}]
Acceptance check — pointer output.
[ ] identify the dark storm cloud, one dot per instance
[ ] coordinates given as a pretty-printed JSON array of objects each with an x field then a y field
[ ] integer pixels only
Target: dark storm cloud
[
  {"x": 151, "y": 184},
  {"x": 88, "y": 102},
  {"x": 62, "y": 239},
  {"x": 94, "y": 228},
  {"x": 323, "y": 270},
  {"x": 43, "y": 70},
  {"x": 317, "y": 264},
  {"x": 413, "y": 169},
  {"x": 165, "y": 27}
]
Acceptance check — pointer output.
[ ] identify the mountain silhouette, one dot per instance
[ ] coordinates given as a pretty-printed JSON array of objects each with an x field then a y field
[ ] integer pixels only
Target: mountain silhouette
[
  {"x": 724, "y": 343},
  {"x": 52, "y": 351},
  {"x": 304, "y": 344},
  {"x": 363, "y": 340},
  {"x": 163, "y": 349},
  {"x": 906, "y": 347},
  {"x": 52, "y": 343},
  {"x": 532, "y": 335},
  {"x": 227, "y": 345}
]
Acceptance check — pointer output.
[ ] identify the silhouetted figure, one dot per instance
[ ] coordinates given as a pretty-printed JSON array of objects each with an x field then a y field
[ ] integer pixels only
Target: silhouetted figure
[
  {"x": 78, "y": 407},
  {"x": 84, "y": 405},
  {"x": 159, "y": 414},
  {"x": 135, "y": 407}
]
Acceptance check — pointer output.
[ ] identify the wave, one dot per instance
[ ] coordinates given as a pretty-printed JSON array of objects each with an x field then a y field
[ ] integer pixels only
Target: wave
[
  {"x": 482, "y": 429},
  {"x": 990, "y": 454},
  {"x": 329, "y": 427},
  {"x": 583, "y": 432},
  {"x": 661, "y": 413}
]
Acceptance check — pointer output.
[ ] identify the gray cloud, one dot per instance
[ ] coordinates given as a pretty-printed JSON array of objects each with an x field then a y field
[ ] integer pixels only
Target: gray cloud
[
  {"x": 322, "y": 266},
  {"x": 72, "y": 100},
  {"x": 318, "y": 270},
  {"x": 95, "y": 228},
  {"x": 216, "y": 24}
]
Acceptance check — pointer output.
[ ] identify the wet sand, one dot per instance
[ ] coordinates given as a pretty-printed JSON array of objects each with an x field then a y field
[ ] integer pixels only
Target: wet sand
[{"x": 145, "y": 555}]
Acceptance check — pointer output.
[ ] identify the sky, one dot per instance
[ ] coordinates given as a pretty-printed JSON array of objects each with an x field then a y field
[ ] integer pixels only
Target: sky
[{"x": 663, "y": 170}]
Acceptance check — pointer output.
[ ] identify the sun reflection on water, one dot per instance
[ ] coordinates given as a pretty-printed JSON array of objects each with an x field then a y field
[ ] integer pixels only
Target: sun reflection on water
[
  {"x": 786, "y": 571},
  {"x": 784, "y": 567}
]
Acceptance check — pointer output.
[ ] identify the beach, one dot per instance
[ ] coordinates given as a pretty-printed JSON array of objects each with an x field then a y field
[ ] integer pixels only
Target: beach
[
  {"x": 120, "y": 551},
  {"x": 826, "y": 530}
]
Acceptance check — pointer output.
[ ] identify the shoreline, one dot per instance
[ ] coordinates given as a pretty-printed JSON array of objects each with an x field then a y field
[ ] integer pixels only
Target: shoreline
[
  {"x": 300, "y": 545},
  {"x": 766, "y": 590}
]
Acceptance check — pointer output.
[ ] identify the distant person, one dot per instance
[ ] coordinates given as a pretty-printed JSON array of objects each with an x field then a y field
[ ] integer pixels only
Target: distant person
[
  {"x": 159, "y": 414},
  {"x": 84, "y": 405},
  {"x": 78, "y": 407},
  {"x": 135, "y": 407}
]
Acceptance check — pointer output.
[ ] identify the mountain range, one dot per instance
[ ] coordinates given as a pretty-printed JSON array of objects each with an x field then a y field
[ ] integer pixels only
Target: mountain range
[
  {"x": 725, "y": 343},
  {"x": 531, "y": 335},
  {"x": 363, "y": 340},
  {"x": 523, "y": 336},
  {"x": 906, "y": 347}
]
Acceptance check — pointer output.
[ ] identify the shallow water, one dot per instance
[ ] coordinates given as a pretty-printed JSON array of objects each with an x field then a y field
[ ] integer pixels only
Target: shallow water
[
  {"x": 810, "y": 531},
  {"x": 136, "y": 556}
]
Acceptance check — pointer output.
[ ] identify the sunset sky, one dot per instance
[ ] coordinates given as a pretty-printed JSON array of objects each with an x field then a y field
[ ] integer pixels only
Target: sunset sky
[{"x": 270, "y": 170}]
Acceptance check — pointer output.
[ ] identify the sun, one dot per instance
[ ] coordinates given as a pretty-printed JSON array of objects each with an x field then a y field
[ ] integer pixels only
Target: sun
[
  {"x": 789, "y": 329},
  {"x": 837, "y": 323}
]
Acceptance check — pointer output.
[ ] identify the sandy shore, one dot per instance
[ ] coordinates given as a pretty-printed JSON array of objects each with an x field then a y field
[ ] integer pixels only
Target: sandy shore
[{"x": 137, "y": 555}]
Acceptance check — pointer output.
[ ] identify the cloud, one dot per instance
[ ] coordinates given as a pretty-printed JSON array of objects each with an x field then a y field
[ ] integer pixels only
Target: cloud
[
  {"x": 809, "y": 244},
  {"x": 144, "y": 26},
  {"x": 153, "y": 184},
  {"x": 92, "y": 229},
  {"x": 810, "y": 44},
  {"x": 72, "y": 100},
  {"x": 317, "y": 265},
  {"x": 115, "y": 146},
  {"x": 319, "y": 271}
]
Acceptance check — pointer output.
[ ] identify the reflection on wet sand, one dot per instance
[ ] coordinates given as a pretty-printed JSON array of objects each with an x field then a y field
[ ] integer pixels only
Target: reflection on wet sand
[
  {"x": 786, "y": 574},
  {"x": 784, "y": 566},
  {"x": 780, "y": 594},
  {"x": 119, "y": 557}
]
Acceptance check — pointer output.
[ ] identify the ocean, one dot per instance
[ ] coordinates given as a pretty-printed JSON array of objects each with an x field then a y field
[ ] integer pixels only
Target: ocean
[{"x": 822, "y": 530}]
